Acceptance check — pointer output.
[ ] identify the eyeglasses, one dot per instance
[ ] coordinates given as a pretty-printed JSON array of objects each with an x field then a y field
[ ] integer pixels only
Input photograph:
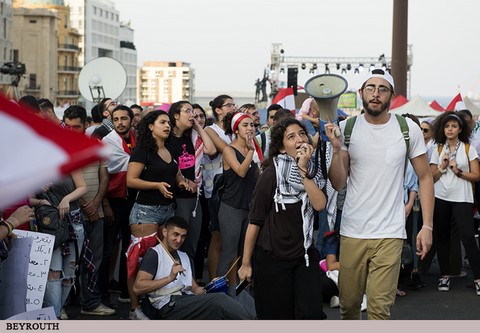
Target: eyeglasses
[
  {"x": 189, "y": 111},
  {"x": 229, "y": 105},
  {"x": 381, "y": 90},
  {"x": 425, "y": 130}
]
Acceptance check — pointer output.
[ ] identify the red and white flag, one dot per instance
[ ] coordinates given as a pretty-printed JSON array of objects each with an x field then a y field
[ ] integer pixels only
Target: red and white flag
[
  {"x": 456, "y": 104},
  {"x": 436, "y": 106},
  {"x": 285, "y": 98},
  {"x": 35, "y": 152}
]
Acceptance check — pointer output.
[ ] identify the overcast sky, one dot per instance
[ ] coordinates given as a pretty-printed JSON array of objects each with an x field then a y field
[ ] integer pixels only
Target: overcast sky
[{"x": 229, "y": 42}]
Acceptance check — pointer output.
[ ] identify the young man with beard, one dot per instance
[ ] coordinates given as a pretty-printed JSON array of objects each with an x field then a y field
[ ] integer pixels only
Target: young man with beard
[
  {"x": 373, "y": 221},
  {"x": 121, "y": 141}
]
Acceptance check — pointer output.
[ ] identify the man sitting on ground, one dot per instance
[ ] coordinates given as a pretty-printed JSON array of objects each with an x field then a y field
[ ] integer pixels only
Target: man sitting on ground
[{"x": 171, "y": 291}]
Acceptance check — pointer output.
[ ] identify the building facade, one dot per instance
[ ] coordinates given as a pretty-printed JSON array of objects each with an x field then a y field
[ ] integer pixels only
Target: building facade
[
  {"x": 6, "y": 53},
  {"x": 42, "y": 29},
  {"x": 128, "y": 58},
  {"x": 165, "y": 82}
]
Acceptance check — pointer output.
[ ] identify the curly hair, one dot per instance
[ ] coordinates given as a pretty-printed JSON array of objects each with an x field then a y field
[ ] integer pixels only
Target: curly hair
[
  {"x": 145, "y": 138},
  {"x": 276, "y": 138},
  {"x": 438, "y": 127}
]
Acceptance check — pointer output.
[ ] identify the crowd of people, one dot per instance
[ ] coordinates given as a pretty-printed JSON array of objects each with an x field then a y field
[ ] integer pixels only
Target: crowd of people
[{"x": 262, "y": 208}]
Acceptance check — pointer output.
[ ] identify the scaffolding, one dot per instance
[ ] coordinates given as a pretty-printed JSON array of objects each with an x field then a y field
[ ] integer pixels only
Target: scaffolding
[{"x": 279, "y": 63}]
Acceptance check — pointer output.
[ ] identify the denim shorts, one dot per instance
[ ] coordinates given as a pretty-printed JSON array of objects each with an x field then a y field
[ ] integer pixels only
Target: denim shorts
[{"x": 151, "y": 214}]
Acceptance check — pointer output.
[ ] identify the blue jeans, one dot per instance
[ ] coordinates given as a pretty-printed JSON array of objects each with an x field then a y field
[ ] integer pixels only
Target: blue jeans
[
  {"x": 57, "y": 290},
  {"x": 151, "y": 214}
]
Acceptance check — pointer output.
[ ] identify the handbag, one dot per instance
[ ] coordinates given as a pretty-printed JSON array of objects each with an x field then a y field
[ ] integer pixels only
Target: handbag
[{"x": 49, "y": 221}]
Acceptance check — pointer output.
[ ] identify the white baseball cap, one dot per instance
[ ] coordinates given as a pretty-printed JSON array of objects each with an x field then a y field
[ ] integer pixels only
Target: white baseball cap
[{"x": 380, "y": 72}]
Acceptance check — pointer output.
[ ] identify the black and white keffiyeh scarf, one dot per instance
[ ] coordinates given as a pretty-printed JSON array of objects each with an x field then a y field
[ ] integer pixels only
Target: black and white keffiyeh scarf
[{"x": 290, "y": 189}]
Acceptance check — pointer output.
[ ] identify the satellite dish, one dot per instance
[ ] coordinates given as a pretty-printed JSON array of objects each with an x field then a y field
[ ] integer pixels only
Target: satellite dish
[{"x": 102, "y": 77}]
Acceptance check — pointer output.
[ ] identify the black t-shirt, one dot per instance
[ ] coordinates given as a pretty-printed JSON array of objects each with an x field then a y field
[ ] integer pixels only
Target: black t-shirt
[
  {"x": 183, "y": 152},
  {"x": 281, "y": 233},
  {"x": 156, "y": 170}
]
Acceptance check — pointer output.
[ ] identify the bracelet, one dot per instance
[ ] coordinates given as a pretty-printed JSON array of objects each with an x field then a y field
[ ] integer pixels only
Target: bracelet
[
  {"x": 7, "y": 225},
  {"x": 440, "y": 169},
  {"x": 427, "y": 227},
  {"x": 459, "y": 173}
]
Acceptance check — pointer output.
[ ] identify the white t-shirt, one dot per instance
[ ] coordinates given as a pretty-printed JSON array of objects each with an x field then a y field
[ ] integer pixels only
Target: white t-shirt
[
  {"x": 374, "y": 206},
  {"x": 449, "y": 187},
  {"x": 215, "y": 166}
]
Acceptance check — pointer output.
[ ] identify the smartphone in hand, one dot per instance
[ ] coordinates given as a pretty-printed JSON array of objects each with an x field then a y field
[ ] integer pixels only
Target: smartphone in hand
[{"x": 241, "y": 286}]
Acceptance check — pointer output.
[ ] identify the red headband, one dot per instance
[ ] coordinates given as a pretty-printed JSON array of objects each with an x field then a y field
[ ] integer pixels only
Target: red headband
[{"x": 236, "y": 119}]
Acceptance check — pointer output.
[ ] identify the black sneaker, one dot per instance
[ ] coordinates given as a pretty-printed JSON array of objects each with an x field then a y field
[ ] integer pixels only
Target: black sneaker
[
  {"x": 444, "y": 284},
  {"x": 477, "y": 287}
]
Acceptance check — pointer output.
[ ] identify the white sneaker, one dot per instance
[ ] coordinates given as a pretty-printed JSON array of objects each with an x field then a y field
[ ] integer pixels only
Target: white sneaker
[
  {"x": 137, "y": 314},
  {"x": 363, "y": 307},
  {"x": 100, "y": 310},
  {"x": 334, "y": 302},
  {"x": 63, "y": 314}
]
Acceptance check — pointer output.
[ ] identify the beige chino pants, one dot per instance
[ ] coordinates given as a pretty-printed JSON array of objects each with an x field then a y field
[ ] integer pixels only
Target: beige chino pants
[{"x": 371, "y": 266}]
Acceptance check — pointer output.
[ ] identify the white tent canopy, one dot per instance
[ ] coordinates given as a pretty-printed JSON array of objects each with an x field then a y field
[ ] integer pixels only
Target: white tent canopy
[
  {"x": 418, "y": 107},
  {"x": 475, "y": 110}
]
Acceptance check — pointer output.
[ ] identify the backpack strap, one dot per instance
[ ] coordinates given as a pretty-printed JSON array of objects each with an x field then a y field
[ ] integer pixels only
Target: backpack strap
[
  {"x": 402, "y": 121},
  {"x": 439, "y": 148},
  {"x": 347, "y": 133}
]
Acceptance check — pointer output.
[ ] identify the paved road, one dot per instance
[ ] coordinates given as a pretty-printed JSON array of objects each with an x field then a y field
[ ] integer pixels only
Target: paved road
[{"x": 460, "y": 303}]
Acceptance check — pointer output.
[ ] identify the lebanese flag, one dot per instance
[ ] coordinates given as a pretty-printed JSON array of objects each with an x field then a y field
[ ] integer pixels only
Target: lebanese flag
[
  {"x": 285, "y": 98},
  {"x": 36, "y": 152},
  {"x": 436, "y": 106},
  {"x": 456, "y": 104}
]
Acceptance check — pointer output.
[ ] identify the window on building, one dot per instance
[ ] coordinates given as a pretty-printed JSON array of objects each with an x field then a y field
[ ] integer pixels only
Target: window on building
[{"x": 32, "y": 83}]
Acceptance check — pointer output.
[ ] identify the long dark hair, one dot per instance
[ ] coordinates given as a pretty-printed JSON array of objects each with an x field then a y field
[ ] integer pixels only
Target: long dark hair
[
  {"x": 175, "y": 108},
  {"x": 276, "y": 139},
  {"x": 438, "y": 127},
  {"x": 145, "y": 138}
]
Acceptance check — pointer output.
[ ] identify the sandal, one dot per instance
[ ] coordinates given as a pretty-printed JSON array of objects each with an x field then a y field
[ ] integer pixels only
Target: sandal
[{"x": 401, "y": 293}]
